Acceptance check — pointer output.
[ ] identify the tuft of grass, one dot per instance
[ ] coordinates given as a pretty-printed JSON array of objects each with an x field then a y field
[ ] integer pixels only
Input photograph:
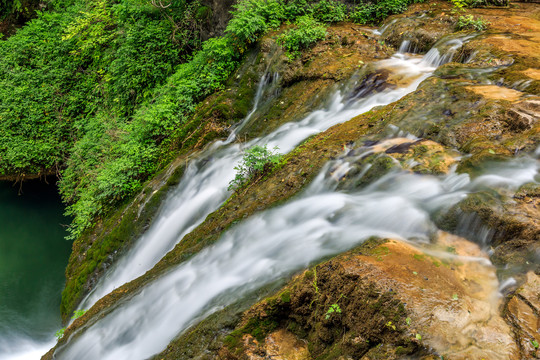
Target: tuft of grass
[{"x": 468, "y": 22}]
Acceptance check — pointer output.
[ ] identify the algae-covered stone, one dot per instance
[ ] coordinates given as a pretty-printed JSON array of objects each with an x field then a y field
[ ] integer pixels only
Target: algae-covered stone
[
  {"x": 523, "y": 312},
  {"x": 402, "y": 304}
]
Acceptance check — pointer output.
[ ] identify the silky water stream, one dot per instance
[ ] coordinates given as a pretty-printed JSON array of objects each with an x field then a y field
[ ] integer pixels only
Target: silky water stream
[
  {"x": 275, "y": 243},
  {"x": 203, "y": 187}
]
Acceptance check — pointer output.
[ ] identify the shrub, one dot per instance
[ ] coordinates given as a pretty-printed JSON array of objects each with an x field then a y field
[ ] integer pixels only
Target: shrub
[
  {"x": 329, "y": 11},
  {"x": 257, "y": 161},
  {"x": 469, "y": 22},
  {"x": 373, "y": 12},
  {"x": 252, "y": 18},
  {"x": 296, "y": 8},
  {"x": 306, "y": 32},
  {"x": 363, "y": 14},
  {"x": 461, "y": 4}
]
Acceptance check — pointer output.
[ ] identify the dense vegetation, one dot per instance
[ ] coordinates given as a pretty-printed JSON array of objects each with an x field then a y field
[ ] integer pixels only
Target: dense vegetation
[
  {"x": 18, "y": 10},
  {"x": 98, "y": 91}
]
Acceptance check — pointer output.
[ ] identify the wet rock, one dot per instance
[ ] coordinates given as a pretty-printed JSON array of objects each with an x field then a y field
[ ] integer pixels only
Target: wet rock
[
  {"x": 279, "y": 345},
  {"x": 510, "y": 226},
  {"x": 372, "y": 83},
  {"x": 524, "y": 115},
  {"x": 368, "y": 163},
  {"x": 496, "y": 92},
  {"x": 522, "y": 311},
  {"x": 425, "y": 157},
  {"x": 420, "y": 31},
  {"x": 394, "y": 301}
]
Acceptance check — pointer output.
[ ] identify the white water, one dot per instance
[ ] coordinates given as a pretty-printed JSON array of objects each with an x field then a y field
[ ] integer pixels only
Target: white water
[
  {"x": 203, "y": 187},
  {"x": 201, "y": 191},
  {"x": 276, "y": 243}
]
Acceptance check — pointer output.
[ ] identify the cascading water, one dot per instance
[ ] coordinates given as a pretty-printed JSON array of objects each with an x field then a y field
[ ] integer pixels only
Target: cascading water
[
  {"x": 276, "y": 243},
  {"x": 318, "y": 223},
  {"x": 203, "y": 187}
]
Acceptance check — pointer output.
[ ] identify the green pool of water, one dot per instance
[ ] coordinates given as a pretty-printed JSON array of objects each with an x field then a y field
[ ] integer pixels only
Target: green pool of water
[{"x": 33, "y": 257}]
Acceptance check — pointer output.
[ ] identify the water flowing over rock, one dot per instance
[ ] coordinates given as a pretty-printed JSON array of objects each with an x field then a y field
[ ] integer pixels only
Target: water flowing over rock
[
  {"x": 408, "y": 190},
  {"x": 447, "y": 294}
]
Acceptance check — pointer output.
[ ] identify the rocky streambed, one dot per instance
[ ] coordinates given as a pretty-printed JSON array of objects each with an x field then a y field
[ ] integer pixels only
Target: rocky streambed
[{"x": 431, "y": 204}]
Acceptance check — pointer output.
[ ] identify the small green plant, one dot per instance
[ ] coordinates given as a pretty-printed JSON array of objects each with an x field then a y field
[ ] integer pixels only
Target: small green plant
[
  {"x": 306, "y": 32},
  {"x": 60, "y": 333},
  {"x": 257, "y": 161},
  {"x": 334, "y": 308},
  {"x": 468, "y": 22},
  {"x": 460, "y": 4},
  {"x": 390, "y": 325},
  {"x": 534, "y": 343},
  {"x": 76, "y": 314}
]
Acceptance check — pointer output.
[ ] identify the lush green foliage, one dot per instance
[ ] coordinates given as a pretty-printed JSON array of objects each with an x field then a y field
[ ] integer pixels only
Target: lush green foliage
[
  {"x": 330, "y": 11},
  {"x": 468, "y": 22},
  {"x": 461, "y": 4},
  {"x": 96, "y": 91},
  {"x": 17, "y": 8},
  {"x": 70, "y": 84},
  {"x": 306, "y": 32},
  {"x": 373, "y": 12},
  {"x": 257, "y": 161}
]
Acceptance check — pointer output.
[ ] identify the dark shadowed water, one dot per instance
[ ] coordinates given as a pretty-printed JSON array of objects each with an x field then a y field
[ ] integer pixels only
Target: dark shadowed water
[{"x": 33, "y": 257}]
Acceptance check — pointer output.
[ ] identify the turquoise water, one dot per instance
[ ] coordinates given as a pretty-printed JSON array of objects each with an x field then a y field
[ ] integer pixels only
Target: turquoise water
[{"x": 33, "y": 257}]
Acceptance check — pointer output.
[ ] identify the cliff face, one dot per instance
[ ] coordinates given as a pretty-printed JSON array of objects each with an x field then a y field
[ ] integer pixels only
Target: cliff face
[{"x": 386, "y": 298}]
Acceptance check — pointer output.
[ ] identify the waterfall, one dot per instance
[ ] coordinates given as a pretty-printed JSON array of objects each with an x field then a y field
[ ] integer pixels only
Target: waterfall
[
  {"x": 203, "y": 187},
  {"x": 274, "y": 244},
  {"x": 318, "y": 223}
]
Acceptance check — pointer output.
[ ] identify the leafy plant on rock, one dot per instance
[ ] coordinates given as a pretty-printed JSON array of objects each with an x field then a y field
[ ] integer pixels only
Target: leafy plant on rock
[
  {"x": 76, "y": 314},
  {"x": 306, "y": 32},
  {"x": 257, "y": 161},
  {"x": 468, "y": 22},
  {"x": 334, "y": 308}
]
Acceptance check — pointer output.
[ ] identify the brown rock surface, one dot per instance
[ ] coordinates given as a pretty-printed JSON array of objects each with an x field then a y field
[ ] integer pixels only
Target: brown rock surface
[
  {"x": 449, "y": 291},
  {"x": 523, "y": 312},
  {"x": 279, "y": 345}
]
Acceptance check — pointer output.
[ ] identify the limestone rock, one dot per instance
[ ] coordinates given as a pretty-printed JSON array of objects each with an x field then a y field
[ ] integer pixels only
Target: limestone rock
[{"x": 523, "y": 312}]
